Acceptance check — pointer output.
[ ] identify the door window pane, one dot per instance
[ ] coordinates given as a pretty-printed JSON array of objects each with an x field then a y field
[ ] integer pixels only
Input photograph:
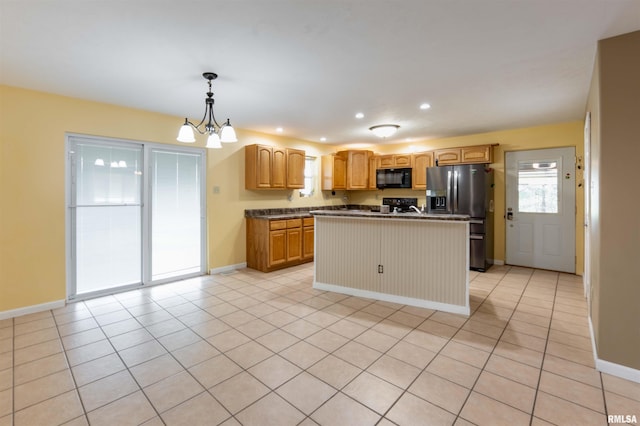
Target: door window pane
[
  {"x": 176, "y": 214},
  {"x": 538, "y": 186},
  {"x": 108, "y": 234}
]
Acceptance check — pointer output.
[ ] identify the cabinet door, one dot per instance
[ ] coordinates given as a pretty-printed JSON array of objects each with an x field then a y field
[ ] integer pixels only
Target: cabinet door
[
  {"x": 402, "y": 160},
  {"x": 307, "y": 242},
  {"x": 421, "y": 161},
  {"x": 358, "y": 169},
  {"x": 448, "y": 156},
  {"x": 278, "y": 168},
  {"x": 476, "y": 154},
  {"x": 334, "y": 172},
  {"x": 373, "y": 163},
  {"x": 257, "y": 164},
  {"x": 295, "y": 168},
  {"x": 386, "y": 161},
  {"x": 277, "y": 247},
  {"x": 294, "y": 244}
]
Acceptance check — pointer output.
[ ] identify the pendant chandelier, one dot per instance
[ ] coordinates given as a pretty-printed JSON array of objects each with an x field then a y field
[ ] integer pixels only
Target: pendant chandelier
[{"x": 216, "y": 133}]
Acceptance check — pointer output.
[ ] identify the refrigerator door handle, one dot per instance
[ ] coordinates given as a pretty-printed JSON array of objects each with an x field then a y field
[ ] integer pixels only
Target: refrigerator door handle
[
  {"x": 449, "y": 194},
  {"x": 455, "y": 191}
]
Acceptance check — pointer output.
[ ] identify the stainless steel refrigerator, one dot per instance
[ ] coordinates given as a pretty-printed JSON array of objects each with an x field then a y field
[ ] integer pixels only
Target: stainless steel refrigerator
[{"x": 467, "y": 190}]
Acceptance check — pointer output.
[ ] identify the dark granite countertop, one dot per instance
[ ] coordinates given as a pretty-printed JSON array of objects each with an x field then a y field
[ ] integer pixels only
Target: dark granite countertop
[{"x": 301, "y": 212}]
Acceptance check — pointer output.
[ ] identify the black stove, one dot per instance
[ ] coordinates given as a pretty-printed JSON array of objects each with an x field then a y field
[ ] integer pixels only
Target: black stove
[{"x": 403, "y": 204}]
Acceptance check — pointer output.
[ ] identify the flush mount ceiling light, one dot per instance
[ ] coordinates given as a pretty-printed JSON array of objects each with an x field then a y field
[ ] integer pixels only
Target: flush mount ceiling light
[
  {"x": 384, "y": 130},
  {"x": 216, "y": 132}
]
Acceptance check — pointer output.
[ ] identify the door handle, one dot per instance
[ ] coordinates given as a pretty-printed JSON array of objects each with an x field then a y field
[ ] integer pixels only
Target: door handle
[{"x": 509, "y": 215}]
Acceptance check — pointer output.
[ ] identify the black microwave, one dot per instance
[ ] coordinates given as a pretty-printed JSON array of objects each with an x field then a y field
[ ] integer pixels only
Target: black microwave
[{"x": 393, "y": 178}]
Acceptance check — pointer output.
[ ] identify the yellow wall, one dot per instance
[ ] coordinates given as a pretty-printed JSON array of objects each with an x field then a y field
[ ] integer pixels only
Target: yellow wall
[
  {"x": 32, "y": 183},
  {"x": 32, "y": 186},
  {"x": 557, "y": 135}
]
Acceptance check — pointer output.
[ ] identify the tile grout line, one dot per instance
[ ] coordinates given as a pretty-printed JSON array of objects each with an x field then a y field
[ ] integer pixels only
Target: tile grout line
[
  {"x": 436, "y": 355},
  {"x": 544, "y": 354},
  {"x": 458, "y": 415},
  {"x": 294, "y": 301}
]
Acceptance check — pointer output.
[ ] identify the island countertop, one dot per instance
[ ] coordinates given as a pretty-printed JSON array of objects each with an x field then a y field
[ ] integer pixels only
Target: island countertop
[{"x": 378, "y": 215}]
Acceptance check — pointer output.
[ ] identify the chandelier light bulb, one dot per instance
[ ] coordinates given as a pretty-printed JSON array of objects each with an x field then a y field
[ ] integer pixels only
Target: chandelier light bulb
[
  {"x": 213, "y": 141},
  {"x": 227, "y": 133},
  {"x": 186, "y": 133}
]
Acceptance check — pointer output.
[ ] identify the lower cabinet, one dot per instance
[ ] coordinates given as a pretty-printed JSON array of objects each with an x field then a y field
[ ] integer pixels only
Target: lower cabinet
[
  {"x": 279, "y": 243},
  {"x": 307, "y": 238}
]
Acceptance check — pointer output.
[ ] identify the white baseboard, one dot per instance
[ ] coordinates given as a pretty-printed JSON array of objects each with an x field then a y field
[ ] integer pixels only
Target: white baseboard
[
  {"x": 227, "y": 268},
  {"x": 403, "y": 300},
  {"x": 32, "y": 309},
  {"x": 612, "y": 368}
]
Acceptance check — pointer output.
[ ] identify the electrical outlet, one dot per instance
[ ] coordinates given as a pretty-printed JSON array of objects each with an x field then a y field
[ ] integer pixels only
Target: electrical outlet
[{"x": 216, "y": 189}]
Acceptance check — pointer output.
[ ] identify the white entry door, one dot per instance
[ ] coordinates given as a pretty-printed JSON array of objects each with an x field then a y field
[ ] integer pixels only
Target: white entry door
[{"x": 541, "y": 209}]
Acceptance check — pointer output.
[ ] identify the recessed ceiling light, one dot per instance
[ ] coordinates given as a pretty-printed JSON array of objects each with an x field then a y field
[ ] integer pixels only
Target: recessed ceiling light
[
  {"x": 279, "y": 129},
  {"x": 425, "y": 106},
  {"x": 323, "y": 139},
  {"x": 359, "y": 115}
]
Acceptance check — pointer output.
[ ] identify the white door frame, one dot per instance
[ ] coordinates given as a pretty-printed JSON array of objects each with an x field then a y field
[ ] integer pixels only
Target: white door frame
[
  {"x": 586, "y": 182},
  {"x": 541, "y": 240},
  {"x": 146, "y": 243}
]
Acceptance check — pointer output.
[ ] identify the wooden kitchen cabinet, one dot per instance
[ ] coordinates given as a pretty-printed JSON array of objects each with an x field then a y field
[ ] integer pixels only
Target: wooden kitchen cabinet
[
  {"x": 391, "y": 161},
  {"x": 480, "y": 154},
  {"x": 421, "y": 161},
  {"x": 373, "y": 164},
  {"x": 278, "y": 243},
  {"x": 257, "y": 166},
  {"x": 357, "y": 168},
  {"x": 448, "y": 156},
  {"x": 295, "y": 168},
  {"x": 334, "y": 172},
  {"x": 308, "y": 235},
  {"x": 267, "y": 167},
  {"x": 477, "y": 154},
  {"x": 346, "y": 170},
  {"x": 279, "y": 168}
]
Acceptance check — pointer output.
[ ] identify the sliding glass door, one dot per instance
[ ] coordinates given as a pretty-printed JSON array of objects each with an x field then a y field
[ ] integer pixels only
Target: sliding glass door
[
  {"x": 177, "y": 214},
  {"x": 136, "y": 214}
]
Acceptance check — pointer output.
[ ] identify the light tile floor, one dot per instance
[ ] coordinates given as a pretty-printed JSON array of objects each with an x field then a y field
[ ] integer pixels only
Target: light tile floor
[{"x": 267, "y": 349}]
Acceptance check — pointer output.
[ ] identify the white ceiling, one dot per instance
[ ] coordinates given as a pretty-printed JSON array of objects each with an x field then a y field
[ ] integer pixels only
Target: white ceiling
[{"x": 310, "y": 65}]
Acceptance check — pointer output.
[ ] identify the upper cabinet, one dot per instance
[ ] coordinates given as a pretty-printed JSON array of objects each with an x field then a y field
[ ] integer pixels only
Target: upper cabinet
[
  {"x": 295, "y": 168},
  {"x": 279, "y": 168},
  {"x": 357, "y": 168},
  {"x": 334, "y": 172},
  {"x": 391, "y": 161},
  {"x": 421, "y": 160},
  {"x": 465, "y": 155},
  {"x": 267, "y": 167},
  {"x": 373, "y": 162},
  {"x": 447, "y": 156},
  {"x": 257, "y": 166},
  {"x": 477, "y": 154},
  {"x": 347, "y": 170}
]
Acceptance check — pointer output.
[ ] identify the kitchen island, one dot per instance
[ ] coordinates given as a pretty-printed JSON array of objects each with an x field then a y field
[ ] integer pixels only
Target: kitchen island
[{"x": 408, "y": 258}]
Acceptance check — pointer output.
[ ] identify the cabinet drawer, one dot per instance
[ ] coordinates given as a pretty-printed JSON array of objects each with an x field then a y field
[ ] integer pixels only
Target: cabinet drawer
[
  {"x": 307, "y": 221},
  {"x": 277, "y": 224},
  {"x": 294, "y": 223}
]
